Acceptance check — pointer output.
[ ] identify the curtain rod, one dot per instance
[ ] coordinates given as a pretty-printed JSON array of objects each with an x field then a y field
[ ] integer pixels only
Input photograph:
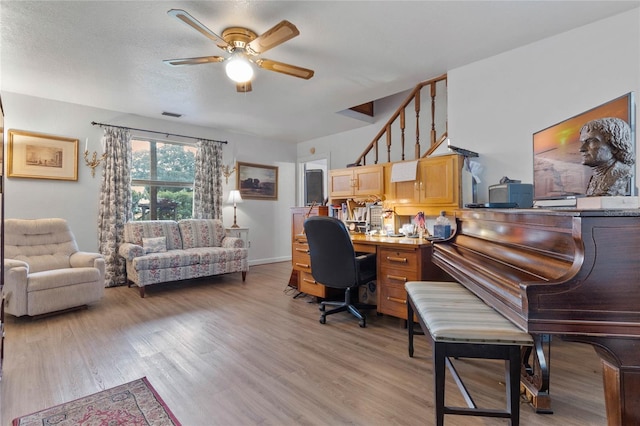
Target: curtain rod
[{"x": 93, "y": 123}]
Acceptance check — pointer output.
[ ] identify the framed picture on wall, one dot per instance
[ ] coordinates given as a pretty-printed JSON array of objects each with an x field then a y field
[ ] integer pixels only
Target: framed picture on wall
[
  {"x": 40, "y": 156},
  {"x": 257, "y": 182}
]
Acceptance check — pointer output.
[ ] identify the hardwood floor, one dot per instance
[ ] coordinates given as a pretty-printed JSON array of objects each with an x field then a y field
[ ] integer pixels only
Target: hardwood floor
[{"x": 223, "y": 352}]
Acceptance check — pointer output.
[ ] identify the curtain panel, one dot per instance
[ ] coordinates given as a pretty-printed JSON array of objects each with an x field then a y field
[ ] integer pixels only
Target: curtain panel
[
  {"x": 207, "y": 185},
  {"x": 115, "y": 202}
]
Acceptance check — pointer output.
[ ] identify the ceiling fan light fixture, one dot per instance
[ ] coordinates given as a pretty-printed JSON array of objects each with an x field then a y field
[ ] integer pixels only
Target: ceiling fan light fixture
[{"x": 239, "y": 69}]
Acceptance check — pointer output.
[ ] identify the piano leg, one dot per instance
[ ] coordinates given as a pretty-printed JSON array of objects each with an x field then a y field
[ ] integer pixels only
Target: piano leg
[
  {"x": 534, "y": 378},
  {"x": 620, "y": 358}
]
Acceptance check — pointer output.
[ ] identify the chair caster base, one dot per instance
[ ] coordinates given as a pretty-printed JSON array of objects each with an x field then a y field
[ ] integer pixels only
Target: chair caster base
[
  {"x": 323, "y": 319},
  {"x": 362, "y": 323}
]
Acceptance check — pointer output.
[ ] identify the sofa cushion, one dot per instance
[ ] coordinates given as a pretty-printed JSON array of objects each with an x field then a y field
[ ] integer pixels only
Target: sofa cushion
[
  {"x": 135, "y": 231},
  {"x": 168, "y": 259},
  {"x": 55, "y": 278},
  {"x": 201, "y": 233},
  {"x": 209, "y": 255},
  {"x": 154, "y": 244}
]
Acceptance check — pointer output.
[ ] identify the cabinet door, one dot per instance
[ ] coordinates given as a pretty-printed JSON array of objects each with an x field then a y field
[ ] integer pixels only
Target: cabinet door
[
  {"x": 439, "y": 180},
  {"x": 341, "y": 183},
  {"x": 407, "y": 192},
  {"x": 369, "y": 180}
]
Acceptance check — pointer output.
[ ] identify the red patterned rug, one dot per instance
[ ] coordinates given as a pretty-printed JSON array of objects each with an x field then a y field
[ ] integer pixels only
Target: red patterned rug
[{"x": 133, "y": 404}]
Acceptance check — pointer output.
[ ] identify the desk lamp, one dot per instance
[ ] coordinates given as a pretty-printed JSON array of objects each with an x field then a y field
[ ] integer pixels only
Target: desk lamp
[{"x": 234, "y": 198}]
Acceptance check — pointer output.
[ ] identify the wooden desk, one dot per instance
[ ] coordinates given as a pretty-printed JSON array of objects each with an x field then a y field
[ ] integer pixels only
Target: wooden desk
[{"x": 398, "y": 260}]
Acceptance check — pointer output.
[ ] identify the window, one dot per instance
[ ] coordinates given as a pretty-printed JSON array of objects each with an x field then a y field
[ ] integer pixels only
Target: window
[{"x": 162, "y": 179}]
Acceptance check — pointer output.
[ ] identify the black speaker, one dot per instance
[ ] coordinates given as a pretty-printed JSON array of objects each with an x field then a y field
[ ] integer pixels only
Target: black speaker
[{"x": 313, "y": 187}]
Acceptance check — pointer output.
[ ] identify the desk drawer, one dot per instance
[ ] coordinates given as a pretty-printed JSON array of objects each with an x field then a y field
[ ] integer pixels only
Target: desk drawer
[
  {"x": 300, "y": 257},
  {"x": 364, "y": 248},
  {"x": 392, "y": 300},
  {"x": 396, "y": 276},
  {"x": 399, "y": 259},
  {"x": 307, "y": 284}
]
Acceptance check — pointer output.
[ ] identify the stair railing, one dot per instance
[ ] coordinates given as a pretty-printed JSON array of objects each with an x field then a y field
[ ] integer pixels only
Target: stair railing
[{"x": 401, "y": 114}]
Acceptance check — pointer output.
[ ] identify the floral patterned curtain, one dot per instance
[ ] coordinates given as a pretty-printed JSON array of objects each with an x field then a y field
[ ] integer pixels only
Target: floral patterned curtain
[
  {"x": 207, "y": 186},
  {"x": 115, "y": 202}
]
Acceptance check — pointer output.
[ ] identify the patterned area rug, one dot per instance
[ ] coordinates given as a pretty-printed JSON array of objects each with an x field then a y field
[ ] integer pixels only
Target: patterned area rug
[{"x": 132, "y": 404}]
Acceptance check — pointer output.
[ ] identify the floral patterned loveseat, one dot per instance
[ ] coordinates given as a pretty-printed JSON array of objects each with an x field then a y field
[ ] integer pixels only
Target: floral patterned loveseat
[{"x": 158, "y": 251}]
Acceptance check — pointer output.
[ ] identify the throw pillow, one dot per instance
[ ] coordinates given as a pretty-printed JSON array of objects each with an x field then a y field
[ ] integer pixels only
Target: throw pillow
[{"x": 154, "y": 245}]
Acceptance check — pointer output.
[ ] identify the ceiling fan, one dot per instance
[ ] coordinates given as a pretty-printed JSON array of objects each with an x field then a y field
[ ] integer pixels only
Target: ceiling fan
[{"x": 244, "y": 47}]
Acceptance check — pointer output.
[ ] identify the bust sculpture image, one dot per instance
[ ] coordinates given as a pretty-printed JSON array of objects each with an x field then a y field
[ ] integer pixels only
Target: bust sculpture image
[{"x": 606, "y": 146}]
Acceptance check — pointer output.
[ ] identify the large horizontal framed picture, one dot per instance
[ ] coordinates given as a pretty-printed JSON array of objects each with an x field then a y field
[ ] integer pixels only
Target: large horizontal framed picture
[
  {"x": 257, "y": 182},
  {"x": 558, "y": 171},
  {"x": 39, "y": 156}
]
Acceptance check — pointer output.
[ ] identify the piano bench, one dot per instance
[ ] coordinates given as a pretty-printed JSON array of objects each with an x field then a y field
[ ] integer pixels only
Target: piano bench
[{"x": 461, "y": 325}]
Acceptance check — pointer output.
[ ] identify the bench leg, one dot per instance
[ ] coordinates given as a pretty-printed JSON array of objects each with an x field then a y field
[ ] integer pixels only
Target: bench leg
[
  {"x": 513, "y": 384},
  {"x": 410, "y": 327},
  {"x": 439, "y": 377}
]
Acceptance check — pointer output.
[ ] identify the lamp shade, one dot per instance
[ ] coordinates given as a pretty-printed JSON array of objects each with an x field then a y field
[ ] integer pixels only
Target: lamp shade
[
  {"x": 239, "y": 69},
  {"x": 234, "y": 197}
]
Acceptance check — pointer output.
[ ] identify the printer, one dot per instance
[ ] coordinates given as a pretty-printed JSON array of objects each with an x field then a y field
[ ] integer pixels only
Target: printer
[{"x": 512, "y": 192}]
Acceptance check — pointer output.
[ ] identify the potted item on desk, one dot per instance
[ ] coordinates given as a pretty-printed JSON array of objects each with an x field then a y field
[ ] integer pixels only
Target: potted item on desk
[
  {"x": 421, "y": 225},
  {"x": 442, "y": 227}
]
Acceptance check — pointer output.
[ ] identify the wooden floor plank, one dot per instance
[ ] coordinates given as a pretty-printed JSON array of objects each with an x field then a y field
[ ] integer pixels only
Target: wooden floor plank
[{"x": 224, "y": 352}]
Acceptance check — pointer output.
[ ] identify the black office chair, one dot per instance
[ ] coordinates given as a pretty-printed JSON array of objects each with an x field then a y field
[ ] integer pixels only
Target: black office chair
[{"x": 335, "y": 264}]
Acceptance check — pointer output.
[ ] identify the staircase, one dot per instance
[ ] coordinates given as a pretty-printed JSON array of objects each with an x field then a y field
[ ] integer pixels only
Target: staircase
[{"x": 405, "y": 126}]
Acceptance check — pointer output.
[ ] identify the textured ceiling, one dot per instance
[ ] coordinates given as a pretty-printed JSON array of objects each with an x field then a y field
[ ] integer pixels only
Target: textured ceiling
[{"x": 108, "y": 54}]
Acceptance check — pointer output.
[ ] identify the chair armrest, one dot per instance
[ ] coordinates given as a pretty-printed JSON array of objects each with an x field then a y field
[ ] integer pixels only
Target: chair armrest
[
  {"x": 14, "y": 263},
  {"x": 232, "y": 242},
  {"x": 15, "y": 286},
  {"x": 130, "y": 251},
  {"x": 83, "y": 259}
]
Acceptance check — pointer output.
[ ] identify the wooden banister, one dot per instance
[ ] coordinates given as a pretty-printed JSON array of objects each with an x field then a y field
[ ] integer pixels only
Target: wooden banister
[{"x": 400, "y": 113}]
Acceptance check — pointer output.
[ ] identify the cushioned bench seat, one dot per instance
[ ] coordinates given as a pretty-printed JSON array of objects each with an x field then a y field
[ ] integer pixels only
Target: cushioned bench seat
[{"x": 461, "y": 325}]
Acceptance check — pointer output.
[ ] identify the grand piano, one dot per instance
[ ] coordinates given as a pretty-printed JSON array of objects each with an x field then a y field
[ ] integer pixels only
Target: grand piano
[{"x": 570, "y": 273}]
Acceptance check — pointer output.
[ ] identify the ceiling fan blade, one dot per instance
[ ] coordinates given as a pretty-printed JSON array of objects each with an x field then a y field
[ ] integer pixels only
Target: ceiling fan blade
[
  {"x": 198, "y": 26},
  {"x": 193, "y": 61},
  {"x": 243, "y": 87},
  {"x": 280, "y": 33},
  {"x": 288, "y": 69}
]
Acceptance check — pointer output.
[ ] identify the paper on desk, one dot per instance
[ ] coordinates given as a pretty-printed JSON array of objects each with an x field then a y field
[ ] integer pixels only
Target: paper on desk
[{"x": 404, "y": 171}]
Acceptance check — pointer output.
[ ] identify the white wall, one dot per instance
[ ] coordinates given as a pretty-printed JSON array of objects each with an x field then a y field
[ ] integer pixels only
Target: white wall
[
  {"x": 496, "y": 104},
  {"x": 269, "y": 221}
]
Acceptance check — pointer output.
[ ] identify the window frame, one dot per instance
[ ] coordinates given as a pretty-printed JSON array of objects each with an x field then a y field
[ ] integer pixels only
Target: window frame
[{"x": 155, "y": 185}]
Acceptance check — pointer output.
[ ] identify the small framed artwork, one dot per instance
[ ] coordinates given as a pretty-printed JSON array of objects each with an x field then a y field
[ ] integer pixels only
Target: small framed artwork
[
  {"x": 40, "y": 156},
  {"x": 257, "y": 182}
]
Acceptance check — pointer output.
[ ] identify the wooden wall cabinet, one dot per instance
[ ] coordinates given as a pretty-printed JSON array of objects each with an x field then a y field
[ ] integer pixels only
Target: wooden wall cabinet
[
  {"x": 356, "y": 181},
  {"x": 437, "y": 186},
  {"x": 437, "y": 182}
]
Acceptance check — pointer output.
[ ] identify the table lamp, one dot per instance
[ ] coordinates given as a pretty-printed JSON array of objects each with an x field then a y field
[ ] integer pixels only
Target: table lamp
[{"x": 234, "y": 198}]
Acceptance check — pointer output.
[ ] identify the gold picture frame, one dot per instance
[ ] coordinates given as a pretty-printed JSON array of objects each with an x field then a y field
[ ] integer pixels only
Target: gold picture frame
[
  {"x": 39, "y": 156},
  {"x": 257, "y": 181}
]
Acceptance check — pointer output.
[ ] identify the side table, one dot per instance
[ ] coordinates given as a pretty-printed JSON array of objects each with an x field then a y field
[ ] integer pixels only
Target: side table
[{"x": 239, "y": 233}]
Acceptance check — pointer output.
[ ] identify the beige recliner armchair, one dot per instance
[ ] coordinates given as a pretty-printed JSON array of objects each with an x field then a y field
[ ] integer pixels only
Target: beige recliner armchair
[{"x": 43, "y": 270}]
